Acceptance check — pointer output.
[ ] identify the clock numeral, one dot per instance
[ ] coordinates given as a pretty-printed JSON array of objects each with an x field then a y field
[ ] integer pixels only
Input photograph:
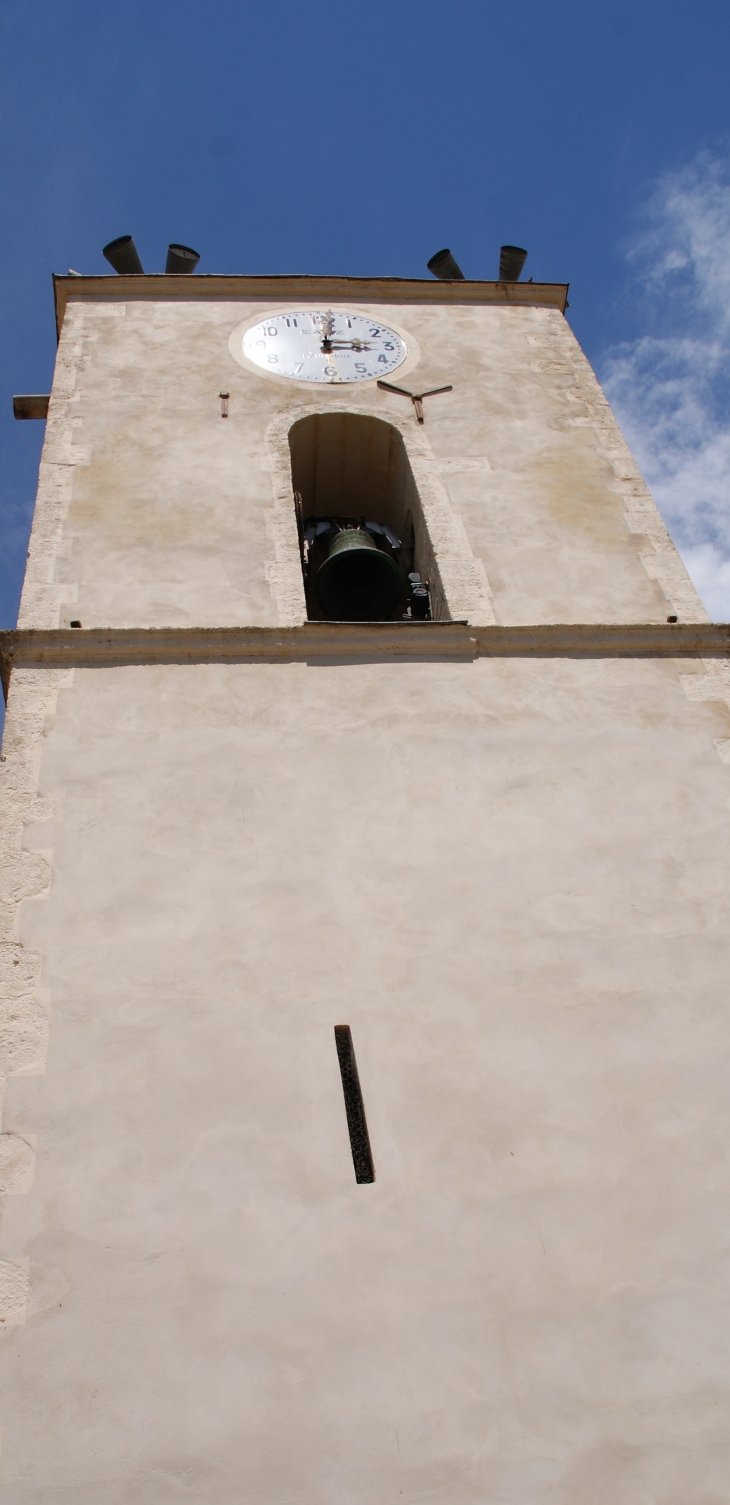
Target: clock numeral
[
  {"x": 388, "y": 345},
  {"x": 271, "y": 329},
  {"x": 299, "y": 368},
  {"x": 273, "y": 360},
  {"x": 383, "y": 359},
  {"x": 361, "y": 367},
  {"x": 373, "y": 333},
  {"x": 330, "y": 371}
]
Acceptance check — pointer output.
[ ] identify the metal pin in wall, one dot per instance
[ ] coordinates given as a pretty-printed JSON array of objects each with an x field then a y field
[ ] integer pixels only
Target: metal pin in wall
[
  {"x": 224, "y": 396},
  {"x": 362, "y": 1158}
]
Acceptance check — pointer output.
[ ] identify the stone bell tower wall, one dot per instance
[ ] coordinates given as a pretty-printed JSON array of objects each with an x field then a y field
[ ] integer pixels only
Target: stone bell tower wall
[
  {"x": 500, "y": 858},
  {"x": 153, "y": 510}
]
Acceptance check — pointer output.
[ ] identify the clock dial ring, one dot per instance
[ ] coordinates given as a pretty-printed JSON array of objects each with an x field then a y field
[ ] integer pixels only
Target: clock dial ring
[{"x": 322, "y": 346}]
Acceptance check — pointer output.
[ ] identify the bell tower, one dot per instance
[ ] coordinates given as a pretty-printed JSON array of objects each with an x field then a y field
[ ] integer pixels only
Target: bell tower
[{"x": 365, "y": 918}]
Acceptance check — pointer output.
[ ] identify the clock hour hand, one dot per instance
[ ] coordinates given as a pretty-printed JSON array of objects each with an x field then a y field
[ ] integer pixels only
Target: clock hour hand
[
  {"x": 328, "y": 344},
  {"x": 328, "y": 337}
]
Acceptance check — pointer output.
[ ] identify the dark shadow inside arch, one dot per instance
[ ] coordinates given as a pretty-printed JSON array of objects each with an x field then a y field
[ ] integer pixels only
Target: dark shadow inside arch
[{"x": 351, "y": 465}]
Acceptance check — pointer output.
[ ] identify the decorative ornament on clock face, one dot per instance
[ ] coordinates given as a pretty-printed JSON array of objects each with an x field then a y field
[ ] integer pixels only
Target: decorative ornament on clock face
[{"x": 324, "y": 347}]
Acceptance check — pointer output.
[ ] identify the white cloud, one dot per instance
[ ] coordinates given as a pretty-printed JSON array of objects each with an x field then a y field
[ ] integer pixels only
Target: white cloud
[{"x": 670, "y": 388}]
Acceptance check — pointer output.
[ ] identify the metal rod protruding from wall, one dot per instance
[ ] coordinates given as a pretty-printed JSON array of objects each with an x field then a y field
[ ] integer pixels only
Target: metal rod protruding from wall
[{"x": 416, "y": 397}]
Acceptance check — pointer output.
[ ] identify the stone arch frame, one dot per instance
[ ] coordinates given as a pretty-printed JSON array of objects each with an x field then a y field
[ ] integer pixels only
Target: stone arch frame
[{"x": 459, "y": 585}]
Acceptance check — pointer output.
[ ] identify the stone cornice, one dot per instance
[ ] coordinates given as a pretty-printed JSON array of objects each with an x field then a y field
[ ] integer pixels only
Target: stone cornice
[
  {"x": 158, "y": 288},
  {"x": 97, "y": 647}
]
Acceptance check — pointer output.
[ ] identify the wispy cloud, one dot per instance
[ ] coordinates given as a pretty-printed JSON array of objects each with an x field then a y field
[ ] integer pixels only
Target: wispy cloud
[{"x": 670, "y": 388}]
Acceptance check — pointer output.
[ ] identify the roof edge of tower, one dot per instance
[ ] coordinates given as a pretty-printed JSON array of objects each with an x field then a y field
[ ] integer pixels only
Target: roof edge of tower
[{"x": 157, "y": 287}]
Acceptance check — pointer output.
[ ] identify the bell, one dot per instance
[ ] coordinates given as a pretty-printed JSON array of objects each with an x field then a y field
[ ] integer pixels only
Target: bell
[{"x": 358, "y": 582}]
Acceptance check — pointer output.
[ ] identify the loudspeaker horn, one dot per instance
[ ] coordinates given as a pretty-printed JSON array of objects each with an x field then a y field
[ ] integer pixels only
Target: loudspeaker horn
[
  {"x": 445, "y": 267},
  {"x": 181, "y": 259},
  {"x": 511, "y": 261},
  {"x": 122, "y": 254}
]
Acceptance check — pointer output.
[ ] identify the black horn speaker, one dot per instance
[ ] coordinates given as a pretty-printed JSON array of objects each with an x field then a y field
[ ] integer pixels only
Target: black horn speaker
[
  {"x": 511, "y": 261},
  {"x": 445, "y": 267},
  {"x": 181, "y": 259},
  {"x": 122, "y": 254}
]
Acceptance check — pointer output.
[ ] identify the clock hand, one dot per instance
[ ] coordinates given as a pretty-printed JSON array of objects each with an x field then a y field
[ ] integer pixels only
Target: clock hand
[
  {"x": 329, "y": 342},
  {"x": 328, "y": 321}
]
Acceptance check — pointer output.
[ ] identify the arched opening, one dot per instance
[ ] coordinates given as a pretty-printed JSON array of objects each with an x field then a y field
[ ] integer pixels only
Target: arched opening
[{"x": 362, "y": 532}]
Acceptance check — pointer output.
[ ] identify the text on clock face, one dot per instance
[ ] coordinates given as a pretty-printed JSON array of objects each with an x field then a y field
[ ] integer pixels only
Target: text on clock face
[{"x": 324, "y": 346}]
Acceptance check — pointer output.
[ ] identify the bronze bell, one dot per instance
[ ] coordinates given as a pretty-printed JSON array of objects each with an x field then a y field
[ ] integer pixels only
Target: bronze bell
[{"x": 358, "y": 582}]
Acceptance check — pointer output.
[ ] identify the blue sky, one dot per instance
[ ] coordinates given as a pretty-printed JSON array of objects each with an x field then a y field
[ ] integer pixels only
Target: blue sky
[{"x": 329, "y": 137}]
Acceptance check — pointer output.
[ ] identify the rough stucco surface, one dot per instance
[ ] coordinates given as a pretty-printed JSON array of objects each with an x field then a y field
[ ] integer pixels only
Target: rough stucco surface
[
  {"x": 502, "y": 877},
  {"x": 509, "y": 877},
  {"x": 155, "y": 511}
]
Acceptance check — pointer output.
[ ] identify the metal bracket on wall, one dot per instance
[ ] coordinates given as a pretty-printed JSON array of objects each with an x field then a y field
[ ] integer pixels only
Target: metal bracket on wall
[
  {"x": 33, "y": 405},
  {"x": 416, "y": 397}
]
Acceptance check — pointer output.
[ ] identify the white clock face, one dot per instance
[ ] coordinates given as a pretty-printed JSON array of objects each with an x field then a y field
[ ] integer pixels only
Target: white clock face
[{"x": 324, "y": 346}]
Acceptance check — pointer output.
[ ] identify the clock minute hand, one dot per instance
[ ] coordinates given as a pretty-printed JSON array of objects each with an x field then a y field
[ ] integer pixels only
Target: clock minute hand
[{"x": 327, "y": 323}]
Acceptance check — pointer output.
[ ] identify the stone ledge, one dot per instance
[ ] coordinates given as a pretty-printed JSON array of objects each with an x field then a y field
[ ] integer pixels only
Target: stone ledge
[
  {"x": 160, "y": 287},
  {"x": 116, "y": 646}
]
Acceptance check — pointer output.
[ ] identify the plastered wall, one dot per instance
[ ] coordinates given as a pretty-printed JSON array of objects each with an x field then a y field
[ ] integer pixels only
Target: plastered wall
[
  {"x": 155, "y": 511},
  {"x": 511, "y": 880},
  {"x": 509, "y": 877}
]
